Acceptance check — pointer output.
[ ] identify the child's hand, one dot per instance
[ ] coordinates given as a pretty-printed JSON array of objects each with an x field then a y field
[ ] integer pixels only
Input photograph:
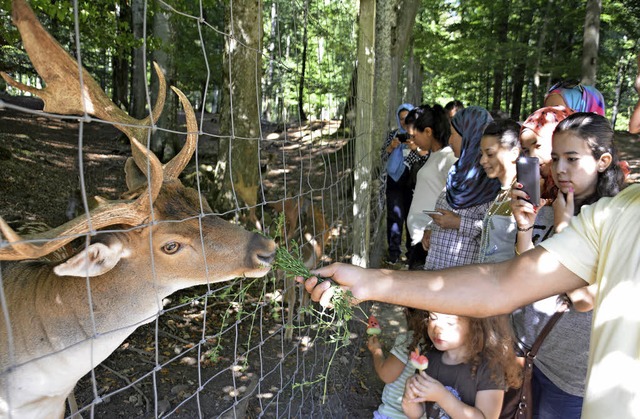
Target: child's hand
[
  {"x": 373, "y": 344},
  {"x": 563, "y": 208},
  {"x": 423, "y": 388},
  {"x": 448, "y": 219}
]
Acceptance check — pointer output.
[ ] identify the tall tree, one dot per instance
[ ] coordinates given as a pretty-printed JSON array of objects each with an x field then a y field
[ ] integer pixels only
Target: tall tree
[
  {"x": 238, "y": 165},
  {"x": 385, "y": 15},
  {"x": 138, "y": 70},
  {"x": 305, "y": 45},
  {"x": 501, "y": 28},
  {"x": 405, "y": 21},
  {"x": 120, "y": 56},
  {"x": 163, "y": 143},
  {"x": 538, "y": 56},
  {"x": 591, "y": 42}
]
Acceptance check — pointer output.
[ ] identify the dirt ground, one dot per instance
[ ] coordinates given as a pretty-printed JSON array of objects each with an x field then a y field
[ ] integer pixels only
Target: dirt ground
[{"x": 249, "y": 372}]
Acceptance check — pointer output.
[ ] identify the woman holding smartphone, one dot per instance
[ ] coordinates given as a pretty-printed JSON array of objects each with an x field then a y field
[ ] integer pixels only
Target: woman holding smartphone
[
  {"x": 499, "y": 148},
  {"x": 584, "y": 167}
]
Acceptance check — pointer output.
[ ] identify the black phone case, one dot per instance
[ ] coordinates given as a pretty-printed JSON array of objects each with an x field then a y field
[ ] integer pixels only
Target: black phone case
[{"x": 528, "y": 174}]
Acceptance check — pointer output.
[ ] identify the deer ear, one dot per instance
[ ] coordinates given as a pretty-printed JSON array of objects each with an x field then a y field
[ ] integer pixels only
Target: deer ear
[
  {"x": 133, "y": 175},
  {"x": 94, "y": 260}
]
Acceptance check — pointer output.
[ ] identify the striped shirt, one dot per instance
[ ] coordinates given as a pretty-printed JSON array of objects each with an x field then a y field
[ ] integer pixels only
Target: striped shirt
[{"x": 391, "y": 406}]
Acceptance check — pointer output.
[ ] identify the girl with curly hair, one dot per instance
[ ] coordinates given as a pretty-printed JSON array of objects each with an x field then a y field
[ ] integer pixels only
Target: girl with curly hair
[{"x": 471, "y": 362}]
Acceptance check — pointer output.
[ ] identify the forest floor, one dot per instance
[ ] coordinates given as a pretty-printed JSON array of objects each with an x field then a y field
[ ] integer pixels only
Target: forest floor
[{"x": 38, "y": 172}]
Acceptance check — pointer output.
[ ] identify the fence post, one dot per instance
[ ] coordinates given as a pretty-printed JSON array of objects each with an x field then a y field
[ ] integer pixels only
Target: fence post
[{"x": 362, "y": 175}]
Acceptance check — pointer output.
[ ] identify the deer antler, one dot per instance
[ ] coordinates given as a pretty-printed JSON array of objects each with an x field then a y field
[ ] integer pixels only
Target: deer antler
[
  {"x": 174, "y": 167},
  {"x": 63, "y": 94}
]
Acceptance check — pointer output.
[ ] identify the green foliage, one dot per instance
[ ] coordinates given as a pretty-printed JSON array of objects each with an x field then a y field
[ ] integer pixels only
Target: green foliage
[
  {"x": 460, "y": 48},
  {"x": 331, "y": 48}
]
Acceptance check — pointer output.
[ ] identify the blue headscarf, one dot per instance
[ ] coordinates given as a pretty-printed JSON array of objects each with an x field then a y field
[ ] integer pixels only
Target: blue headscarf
[
  {"x": 467, "y": 182},
  {"x": 404, "y": 107},
  {"x": 395, "y": 164}
]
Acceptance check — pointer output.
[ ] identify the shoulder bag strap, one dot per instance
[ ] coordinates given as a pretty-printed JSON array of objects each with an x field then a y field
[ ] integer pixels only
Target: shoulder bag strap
[{"x": 545, "y": 331}]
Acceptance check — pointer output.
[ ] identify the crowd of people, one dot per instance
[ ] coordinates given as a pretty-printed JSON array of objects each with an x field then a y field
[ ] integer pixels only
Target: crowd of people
[{"x": 488, "y": 268}]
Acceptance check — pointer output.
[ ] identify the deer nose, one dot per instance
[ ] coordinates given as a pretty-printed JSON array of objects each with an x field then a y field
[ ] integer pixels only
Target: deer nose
[{"x": 264, "y": 250}]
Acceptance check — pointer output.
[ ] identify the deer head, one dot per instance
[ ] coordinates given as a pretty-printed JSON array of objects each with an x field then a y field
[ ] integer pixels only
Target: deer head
[{"x": 162, "y": 237}]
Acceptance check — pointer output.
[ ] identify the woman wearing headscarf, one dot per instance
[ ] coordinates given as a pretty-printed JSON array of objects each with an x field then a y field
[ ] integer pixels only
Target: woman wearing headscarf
[
  {"x": 535, "y": 140},
  {"x": 576, "y": 96},
  {"x": 455, "y": 235},
  {"x": 397, "y": 158}
]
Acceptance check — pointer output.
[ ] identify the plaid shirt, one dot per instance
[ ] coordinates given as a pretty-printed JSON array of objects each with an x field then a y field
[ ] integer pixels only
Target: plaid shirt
[{"x": 450, "y": 247}]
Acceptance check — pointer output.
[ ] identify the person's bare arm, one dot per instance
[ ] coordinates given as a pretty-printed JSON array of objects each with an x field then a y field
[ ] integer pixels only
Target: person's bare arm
[
  {"x": 583, "y": 299},
  {"x": 471, "y": 290},
  {"x": 555, "y": 99},
  {"x": 389, "y": 368}
]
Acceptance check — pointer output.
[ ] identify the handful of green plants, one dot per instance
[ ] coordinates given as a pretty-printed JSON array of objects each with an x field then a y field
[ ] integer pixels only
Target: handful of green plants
[{"x": 290, "y": 262}]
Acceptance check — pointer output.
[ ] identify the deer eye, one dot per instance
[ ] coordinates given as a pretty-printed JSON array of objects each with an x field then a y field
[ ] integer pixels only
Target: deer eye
[{"x": 171, "y": 248}]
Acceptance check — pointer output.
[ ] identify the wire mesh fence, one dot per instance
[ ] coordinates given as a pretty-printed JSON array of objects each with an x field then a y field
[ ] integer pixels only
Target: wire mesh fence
[{"x": 227, "y": 347}]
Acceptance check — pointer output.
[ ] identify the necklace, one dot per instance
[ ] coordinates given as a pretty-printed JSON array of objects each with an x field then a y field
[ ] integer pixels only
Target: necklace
[{"x": 497, "y": 208}]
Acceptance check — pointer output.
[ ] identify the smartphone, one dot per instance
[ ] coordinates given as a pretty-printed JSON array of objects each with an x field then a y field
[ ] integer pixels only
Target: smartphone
[
  {"x": 432, "y": 212},
  {"x": 528, "y": 175},
  {"x": 403, "y": 137}
]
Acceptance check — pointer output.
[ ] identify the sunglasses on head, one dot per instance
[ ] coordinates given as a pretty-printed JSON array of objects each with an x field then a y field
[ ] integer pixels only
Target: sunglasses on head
[{"x": 567, "y": 84}]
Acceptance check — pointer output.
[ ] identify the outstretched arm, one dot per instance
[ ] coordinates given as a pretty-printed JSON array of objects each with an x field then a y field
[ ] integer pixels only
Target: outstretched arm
[{"x": 471, "y": 290}]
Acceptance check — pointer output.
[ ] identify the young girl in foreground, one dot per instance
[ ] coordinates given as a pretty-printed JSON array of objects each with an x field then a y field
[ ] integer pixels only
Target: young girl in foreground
[
  {"x": 471, "y": 361},
  {"x": 584, "y": 167},
  {"x": 395, "y": 368}
]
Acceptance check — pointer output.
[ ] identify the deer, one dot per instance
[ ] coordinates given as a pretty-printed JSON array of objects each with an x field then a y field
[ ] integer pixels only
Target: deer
[
  {"x": 304, "y": 225},
  {"x": 60, "y": 319}
]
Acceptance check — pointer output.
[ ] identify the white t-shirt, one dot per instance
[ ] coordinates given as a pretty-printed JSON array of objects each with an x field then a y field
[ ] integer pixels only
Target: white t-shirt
[
  {"x": 602, "y": 245},
  {"x": 430, "y": 181}
]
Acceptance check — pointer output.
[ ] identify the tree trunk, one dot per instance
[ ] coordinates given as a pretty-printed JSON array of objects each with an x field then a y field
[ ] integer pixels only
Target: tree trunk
[
  {"x": 305, "y": 42},
  {"x": 138, "y": 70},
  {"x": 591, "y": 42},
  {"x": 535, "y": 104},
  {"x": 520, "y": 69},
  {"x": 502, "y": 29},
  {"x": 120, "y": 64},
  {"x": 163, "y": 143},
  {"x": 270, "y": 111},
  {"x": 383, "y": 107},
  {"x": 413, "y": 91},
  {"x": 364, "y": 144},
  {"x": 348, "y": 115},
  {"x": 406, "y": 12},
  {"x": 623, "y": 64},
  {"x": 238, "y": 166}
]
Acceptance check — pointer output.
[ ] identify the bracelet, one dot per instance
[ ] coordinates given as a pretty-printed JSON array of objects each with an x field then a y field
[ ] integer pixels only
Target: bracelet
[
  {"x": 525, "y": 229},
  {"x": 515, "y": 249}
]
